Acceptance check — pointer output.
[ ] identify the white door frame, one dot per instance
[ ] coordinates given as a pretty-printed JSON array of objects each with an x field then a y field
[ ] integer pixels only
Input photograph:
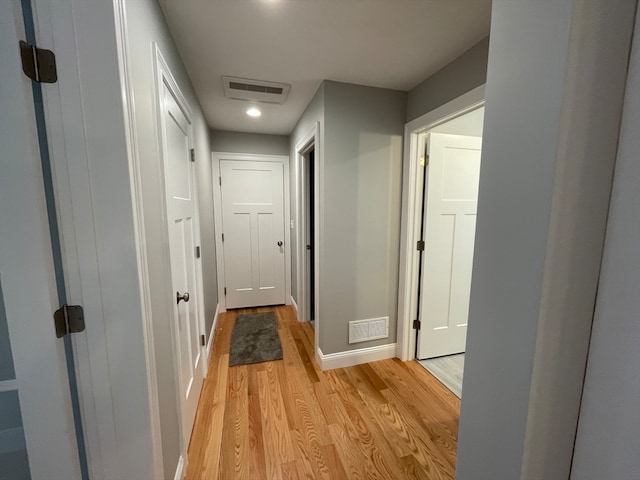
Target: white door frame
[
  {"x": 309, "y": 140},
  {"x": 164, "y": 78},
  {"x": 75, "y": 110},
  {"x": 217, "y": 214},
  {"x": 412, "y": 183}
]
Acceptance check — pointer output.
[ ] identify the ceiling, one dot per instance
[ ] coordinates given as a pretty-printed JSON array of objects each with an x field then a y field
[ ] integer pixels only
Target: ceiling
[{"x": 383, "y": 43}]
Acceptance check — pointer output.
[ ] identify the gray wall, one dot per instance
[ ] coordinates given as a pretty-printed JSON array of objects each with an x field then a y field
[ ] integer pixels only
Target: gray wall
[
  {"x": 360, "y": 210},
  {"x": 541, "y": 217},
  {"x": 312, "y": 114},
  {"x": 145, "y": 25},
  {"x": 608, "y": 444},
  {"x": 463, "y": 74},
  {"x": 240, "y": 142}
]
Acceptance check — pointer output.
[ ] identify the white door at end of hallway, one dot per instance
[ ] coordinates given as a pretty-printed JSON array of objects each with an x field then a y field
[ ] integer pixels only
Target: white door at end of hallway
[
  {"x": 254, "y": 233},
  {"x": 183, "y": 239},
  {"x": 451, "y": 201}
]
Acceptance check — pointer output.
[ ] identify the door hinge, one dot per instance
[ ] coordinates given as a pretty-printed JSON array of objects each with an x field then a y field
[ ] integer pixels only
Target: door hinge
[
  {"x": 38, "y": 64},
  {"x": 203, "y": 341},
  {"x": 68, "y": 319},
  {"x": 193, "y": 154},
  {"x": 420, "y": 245},
  {"x": 416, "y": 324},
  {"x": 220, "y": 180},
  {"x": 223, "y": 237},
  {"x": 198, "y": 251},
  {"x": 225, "y": 290}
]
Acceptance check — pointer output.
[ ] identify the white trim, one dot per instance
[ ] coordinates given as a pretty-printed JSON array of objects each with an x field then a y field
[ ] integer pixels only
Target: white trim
[
  {"x": 217, "y": 215},
  {"x": 122, "y": 42},
  {"x": 8, "y": 385},
  {"x": 179, "y": 469},
  {"x": 314, "y": 134},
  {"x": 414, "y": 132},
  {"x": 295, "y": 307},
  {"x": 212, "y": 333},
  {"x": 307, "y": 141},
  {"x": 12, "y": 440},
  {"x": 355, "y": 357}
]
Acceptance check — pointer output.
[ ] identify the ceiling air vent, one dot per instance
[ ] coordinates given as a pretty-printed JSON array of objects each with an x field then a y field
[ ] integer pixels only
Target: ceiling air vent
[{"x": 255, "y": 90}]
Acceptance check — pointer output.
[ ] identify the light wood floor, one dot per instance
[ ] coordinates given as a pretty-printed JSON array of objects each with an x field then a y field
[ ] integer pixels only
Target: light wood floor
[
  {"x": 288, "y": 419},
  {"x": 449, "y": 370}
]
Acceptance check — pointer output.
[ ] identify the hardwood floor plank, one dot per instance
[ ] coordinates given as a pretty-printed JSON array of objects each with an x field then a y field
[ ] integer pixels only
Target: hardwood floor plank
[
  {"x": 352, "y": 459},
  {"x": 288, "y": 419},
  {"x": 258, "y": 467}
]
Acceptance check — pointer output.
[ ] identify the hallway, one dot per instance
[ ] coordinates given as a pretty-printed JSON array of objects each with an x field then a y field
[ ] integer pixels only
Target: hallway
[{"x": 288, "y": 419}]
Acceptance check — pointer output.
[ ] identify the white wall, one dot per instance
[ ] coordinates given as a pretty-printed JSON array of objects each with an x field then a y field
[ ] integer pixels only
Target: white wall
[
  {"x": 553, "y": 101},
  {"x": 360, "y": 213},
  {"x": 145, "y": 25},
  {"x": 241, "y": 142},
  {"x": 608, "y": 442}
]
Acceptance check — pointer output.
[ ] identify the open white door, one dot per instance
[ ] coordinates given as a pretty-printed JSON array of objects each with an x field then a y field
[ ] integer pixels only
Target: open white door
[
  {"x": 37, "y": 437},
  {"x": 183, "y": 240},
  {"x": 451, "y": 200},
  {"x": 254, "y": 234}
]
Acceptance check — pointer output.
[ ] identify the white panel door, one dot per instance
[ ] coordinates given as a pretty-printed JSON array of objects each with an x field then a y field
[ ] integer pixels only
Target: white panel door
[
  {"x": 453, "y": 175},
  {"x": 37, "y": 437},
  {"x": 253, "y": 227},
  {"x": 183, "y": 239}
]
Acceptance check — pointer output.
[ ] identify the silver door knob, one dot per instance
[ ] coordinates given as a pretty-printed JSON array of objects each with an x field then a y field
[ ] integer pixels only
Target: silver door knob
[
  {"x": 184, "y": 297},
  {"x": 280, "y": 243}
]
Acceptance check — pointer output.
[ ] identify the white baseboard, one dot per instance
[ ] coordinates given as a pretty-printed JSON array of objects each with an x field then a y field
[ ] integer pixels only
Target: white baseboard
[
  {"x": 212, "y": 333},
  {"x": 180, "y": 469},
  {"x": 295, "y": 307},
  {"x": 356, "y": 357}
]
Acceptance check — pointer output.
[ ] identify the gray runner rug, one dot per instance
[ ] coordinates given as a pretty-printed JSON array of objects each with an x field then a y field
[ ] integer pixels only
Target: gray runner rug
[{"x": 255, "y": 339}]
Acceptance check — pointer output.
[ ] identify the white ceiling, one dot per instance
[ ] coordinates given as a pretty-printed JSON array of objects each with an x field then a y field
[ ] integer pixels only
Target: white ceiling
[{"x": 384, "y": 43}]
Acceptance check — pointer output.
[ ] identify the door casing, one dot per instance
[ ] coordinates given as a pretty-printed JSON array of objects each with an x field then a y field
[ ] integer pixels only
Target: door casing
[
  {"x": 412, "y": 184},
  {"x": 308, "y": 141}
]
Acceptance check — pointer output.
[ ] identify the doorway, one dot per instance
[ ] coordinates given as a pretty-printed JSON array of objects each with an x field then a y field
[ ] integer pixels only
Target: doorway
[
  {"x": 450, "y": 200},
  {"x": 308, "y": 162},
  {"x": 252, "y": 203},
  {"x": 308, "y": 206},
  {"x": 439, "y": 233}
]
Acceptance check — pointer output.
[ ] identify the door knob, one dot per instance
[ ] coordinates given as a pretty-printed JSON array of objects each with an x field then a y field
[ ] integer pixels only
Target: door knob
[
  {"x": 184, "y": 297},
  {"x": 280, "y": 243}
]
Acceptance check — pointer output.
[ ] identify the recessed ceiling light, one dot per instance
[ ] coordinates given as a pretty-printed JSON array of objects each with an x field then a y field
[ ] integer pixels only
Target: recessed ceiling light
[{"x": 254, "y": 112}]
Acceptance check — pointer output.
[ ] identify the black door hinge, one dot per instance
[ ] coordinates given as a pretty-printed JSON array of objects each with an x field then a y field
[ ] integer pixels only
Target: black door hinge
[
  {"x": 223, "y": 237},
  {"x": 68, "y": 319},
  {"x": 198, "y": 251},
  {"x": 416, "y": 324},
  {"x": 420, "y": 245},
  {"x": 193, "y": 154},
  {"x": 38, "y": 64},
  {"x": 225, "y": 290},
  {"x": 203, "y": 341}
]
